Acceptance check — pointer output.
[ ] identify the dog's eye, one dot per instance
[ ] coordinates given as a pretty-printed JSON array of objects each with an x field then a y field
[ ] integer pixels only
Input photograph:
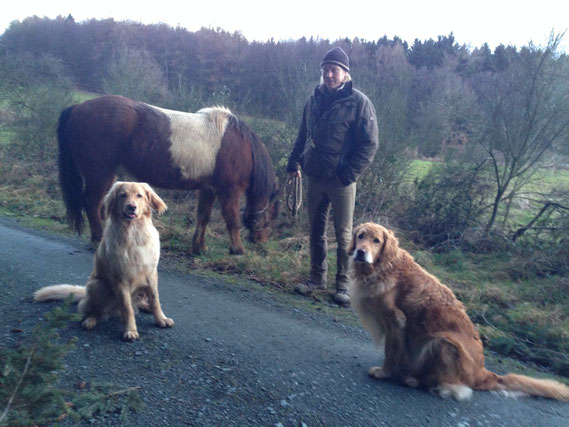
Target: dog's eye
[
  {"x": 139, "y": 195},
  {"x": 361, "y": 236},
  {"x": 122, "y": 195},
  {"x": 376, "y": 240}
]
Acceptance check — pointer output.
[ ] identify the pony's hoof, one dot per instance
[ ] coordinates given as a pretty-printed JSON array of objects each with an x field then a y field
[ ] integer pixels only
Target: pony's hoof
[
  {"x": 236, "y": 251},
  {"x": 130, "y": 335},
  {"x": 166, "y": 322},
  {"x": 199, "y": 250}
]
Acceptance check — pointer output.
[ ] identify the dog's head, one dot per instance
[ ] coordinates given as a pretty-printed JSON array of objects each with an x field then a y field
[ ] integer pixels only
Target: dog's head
[
  {"x": 131, "y": 201},
  {"x": 373, "y": 244}
]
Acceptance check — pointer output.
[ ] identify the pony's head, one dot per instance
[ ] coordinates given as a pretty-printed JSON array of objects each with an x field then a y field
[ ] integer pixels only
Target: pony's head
[{"x": 258, "y": 221}]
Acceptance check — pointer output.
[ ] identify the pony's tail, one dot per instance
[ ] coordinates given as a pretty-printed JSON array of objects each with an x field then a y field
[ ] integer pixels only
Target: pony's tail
[
  {"x": 59, "y": 292},
  {"x": 70, "y": 179},
  {"x": 535, "y": 387}
]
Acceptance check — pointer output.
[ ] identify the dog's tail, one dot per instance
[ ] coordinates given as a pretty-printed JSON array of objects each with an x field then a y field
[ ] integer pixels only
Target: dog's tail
[
  {"x": 535, "y": 387},
  {"x": 60, "y": 292},
  {"x": 451, "y": 354}
]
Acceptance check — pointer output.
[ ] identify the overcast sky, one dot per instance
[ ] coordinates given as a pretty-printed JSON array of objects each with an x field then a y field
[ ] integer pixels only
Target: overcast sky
[{"x": 472, "y": 22}]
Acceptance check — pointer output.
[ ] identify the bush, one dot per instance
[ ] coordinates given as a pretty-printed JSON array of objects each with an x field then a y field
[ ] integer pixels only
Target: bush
[
  {"x": 447, "y": 203},
  {"x": 36, "y": 104}
]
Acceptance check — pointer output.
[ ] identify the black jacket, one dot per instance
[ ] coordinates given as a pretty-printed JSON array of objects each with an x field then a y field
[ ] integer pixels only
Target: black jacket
[{"x": 337, "y": 136}]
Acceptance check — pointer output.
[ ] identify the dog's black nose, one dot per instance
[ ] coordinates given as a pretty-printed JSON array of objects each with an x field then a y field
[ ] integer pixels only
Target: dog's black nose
[
  {"x": 131, "y": 208},
  {"x": 360, "y": 253}
]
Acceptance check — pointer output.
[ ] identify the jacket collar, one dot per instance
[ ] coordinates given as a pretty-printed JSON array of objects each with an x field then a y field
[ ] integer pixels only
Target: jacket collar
[{"x": 342, "y": 92}]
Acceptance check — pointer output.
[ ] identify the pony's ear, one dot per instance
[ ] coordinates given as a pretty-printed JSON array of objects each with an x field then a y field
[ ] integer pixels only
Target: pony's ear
[
  {"x": 390, "y": 246},
  {"x": 156, "y": 203},
  {"x": 110, "y": 200}
]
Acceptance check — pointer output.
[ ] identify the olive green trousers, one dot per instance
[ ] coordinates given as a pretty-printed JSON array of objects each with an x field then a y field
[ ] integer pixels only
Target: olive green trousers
[{"x": 321, "y": 196}]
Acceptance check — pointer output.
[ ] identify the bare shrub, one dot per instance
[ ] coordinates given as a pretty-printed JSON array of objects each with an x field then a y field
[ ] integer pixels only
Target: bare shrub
[{"x": 446, "y": 204}]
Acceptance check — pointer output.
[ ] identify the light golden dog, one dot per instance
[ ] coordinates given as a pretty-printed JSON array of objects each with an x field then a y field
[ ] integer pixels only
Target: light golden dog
[
  {"x": 125, "y": 265},
  {"x": 429, "y": 339}
]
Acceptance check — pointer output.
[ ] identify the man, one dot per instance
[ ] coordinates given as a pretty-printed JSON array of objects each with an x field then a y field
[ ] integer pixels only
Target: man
[{"x": 336, "y": 142}]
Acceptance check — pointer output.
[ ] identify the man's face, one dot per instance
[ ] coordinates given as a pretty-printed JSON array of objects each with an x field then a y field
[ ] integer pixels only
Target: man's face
[{"x": 333, "y": 75}]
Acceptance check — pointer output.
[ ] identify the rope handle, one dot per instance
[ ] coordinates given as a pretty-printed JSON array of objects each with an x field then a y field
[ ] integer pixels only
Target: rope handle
[{"x": 294, "y": 194}]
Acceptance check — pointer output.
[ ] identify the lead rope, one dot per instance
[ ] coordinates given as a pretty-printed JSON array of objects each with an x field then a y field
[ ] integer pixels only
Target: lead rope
[{"x": 294, "y": 194}]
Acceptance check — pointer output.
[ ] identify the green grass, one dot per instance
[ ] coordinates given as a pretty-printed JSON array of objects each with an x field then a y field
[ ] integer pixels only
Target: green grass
[
  {"x": 6, "y": 134},
  {"x": 82, "y": 96},
  {"x": 548, "y": 178},
  {"x": 419, "y": 169}
]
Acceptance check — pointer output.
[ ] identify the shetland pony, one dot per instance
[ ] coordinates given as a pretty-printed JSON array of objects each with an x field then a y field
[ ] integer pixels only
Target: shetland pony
[{"x": 211, "y": 150}]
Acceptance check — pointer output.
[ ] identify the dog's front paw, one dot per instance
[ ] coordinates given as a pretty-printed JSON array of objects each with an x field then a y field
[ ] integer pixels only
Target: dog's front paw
[
  {"x": 401, "y": 319},
  {"x": 144, "y": 306},
  {"x": 130, "y": 335},
  {"x": 378, "y": 373},
  {"x": 89, "y": 322},
  {"x": 411, "y": 382},
  {"x": 165, "y": 322}
]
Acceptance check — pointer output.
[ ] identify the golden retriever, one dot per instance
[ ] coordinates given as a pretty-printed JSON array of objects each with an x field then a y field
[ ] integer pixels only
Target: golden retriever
[
  {"x": 429, "y": 339},
  {"x": 125, "y": 264}
]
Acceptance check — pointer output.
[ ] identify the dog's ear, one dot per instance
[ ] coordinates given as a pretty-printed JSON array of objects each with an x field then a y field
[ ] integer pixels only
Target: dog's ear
[
  {"x": 390, "y": 246},
  {"x": 110, "y": 199},
  {"x": 353, "y": 243},
  {"x": 156, "y": 203}
]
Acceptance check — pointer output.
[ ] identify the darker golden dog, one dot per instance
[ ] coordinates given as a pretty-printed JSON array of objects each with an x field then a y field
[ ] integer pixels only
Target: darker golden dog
[
  {"x": 429, "y": 339},
  {"x": 125, "y": 265}
]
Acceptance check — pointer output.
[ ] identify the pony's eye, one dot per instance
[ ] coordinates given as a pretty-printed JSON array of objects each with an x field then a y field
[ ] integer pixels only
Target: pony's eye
[
  {"x": 361, "y": 236},
  {"x": 376, "y": 240}
]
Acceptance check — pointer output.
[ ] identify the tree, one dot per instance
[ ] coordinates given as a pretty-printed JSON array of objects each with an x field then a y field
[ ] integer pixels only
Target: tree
[
  {"x": 386, "y": 79},
  {"x": 524, "y": 113},
  {"x": 442, "y": 104},
  {"x": 430, "y": 53},
  {"x": 135, "y": 74}
]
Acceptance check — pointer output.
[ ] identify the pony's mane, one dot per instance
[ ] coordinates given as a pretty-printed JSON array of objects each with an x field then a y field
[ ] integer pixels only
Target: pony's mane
[
  {"x": 219, "y": 108},
  {"x": 262, "y": 183},
  {"x": 218, "y": 115}
]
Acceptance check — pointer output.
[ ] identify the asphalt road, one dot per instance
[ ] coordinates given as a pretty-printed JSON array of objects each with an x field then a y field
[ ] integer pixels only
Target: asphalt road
[{"x": 238, "y": 355}]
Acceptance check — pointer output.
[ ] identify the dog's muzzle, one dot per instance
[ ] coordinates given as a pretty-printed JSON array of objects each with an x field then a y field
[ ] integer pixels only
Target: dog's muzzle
[
  {"x": 130, "y": 212},
  {"x": 361, "y": 255}
]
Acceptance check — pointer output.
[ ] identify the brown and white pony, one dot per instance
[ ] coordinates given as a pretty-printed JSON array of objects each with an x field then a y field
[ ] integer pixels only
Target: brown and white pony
[{"x": 211, "y": 150}]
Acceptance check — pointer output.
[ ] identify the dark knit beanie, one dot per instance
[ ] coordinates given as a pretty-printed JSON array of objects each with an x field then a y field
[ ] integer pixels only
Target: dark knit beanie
[{"x": 336, "y": 56}]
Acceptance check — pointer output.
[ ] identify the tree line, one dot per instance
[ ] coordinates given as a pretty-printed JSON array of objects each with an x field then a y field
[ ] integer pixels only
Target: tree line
[{"x": 492, "y": 119}]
